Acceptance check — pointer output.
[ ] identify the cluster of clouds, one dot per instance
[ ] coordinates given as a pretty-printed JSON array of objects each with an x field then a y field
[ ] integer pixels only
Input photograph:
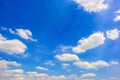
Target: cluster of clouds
[
  {"x": 92, "y": 5},
  {"x": 94, "y": 40},
  {"x": 84, "y": 44},
  {"x": 67, "y": 57},
  {"x": 15, "y": 46},
  {"x": 10, "y": 70}
]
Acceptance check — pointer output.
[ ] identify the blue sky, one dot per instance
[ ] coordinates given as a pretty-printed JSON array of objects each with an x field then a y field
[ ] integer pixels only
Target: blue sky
[{"x": 59, "y": 40}]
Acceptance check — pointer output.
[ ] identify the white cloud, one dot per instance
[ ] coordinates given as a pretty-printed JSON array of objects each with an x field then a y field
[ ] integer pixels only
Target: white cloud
[
  {"x": 91, "y": 65},
  {"x": 26, "y": 34},
  {"x": 88, "y": 76},
  {"x": 114, "y": 62},
  {"x": 92, "y": 5},
  {"x": 23, "y": 33},
  {"x": 117, "y": 18},
  {"x": 6, "y": 64},
  {"x": 41, "y": 68},
  {"x": 113, "y": 34},
  {"x": 92, "y": 41},
  {"x": 67, "y": 57},
  {"x": 12, "y": 46}
]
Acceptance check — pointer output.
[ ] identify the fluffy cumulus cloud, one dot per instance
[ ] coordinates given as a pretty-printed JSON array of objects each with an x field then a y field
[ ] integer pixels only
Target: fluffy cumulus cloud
[
  {"x": 92, "y": 41},
  {"x": 113, "y": 34},
  {"x": 23, "y": 33},
  {"x": 117, "y": 18},
  {"x": 91, "y": 65},
  {"x": 88, "y": 76},
  {"x": 14, "y": 46},
  {"x": 41, "y": 68},
  {"x": 92, "y": 5},
  {"x": 67, "y": 57}
]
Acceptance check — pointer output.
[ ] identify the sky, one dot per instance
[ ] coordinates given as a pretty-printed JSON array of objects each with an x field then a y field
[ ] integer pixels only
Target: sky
[{"x": 59, "y": 40}]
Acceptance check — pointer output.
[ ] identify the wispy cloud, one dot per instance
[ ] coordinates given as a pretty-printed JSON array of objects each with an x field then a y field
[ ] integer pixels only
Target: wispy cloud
[{"x": 23, "y": 33}]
